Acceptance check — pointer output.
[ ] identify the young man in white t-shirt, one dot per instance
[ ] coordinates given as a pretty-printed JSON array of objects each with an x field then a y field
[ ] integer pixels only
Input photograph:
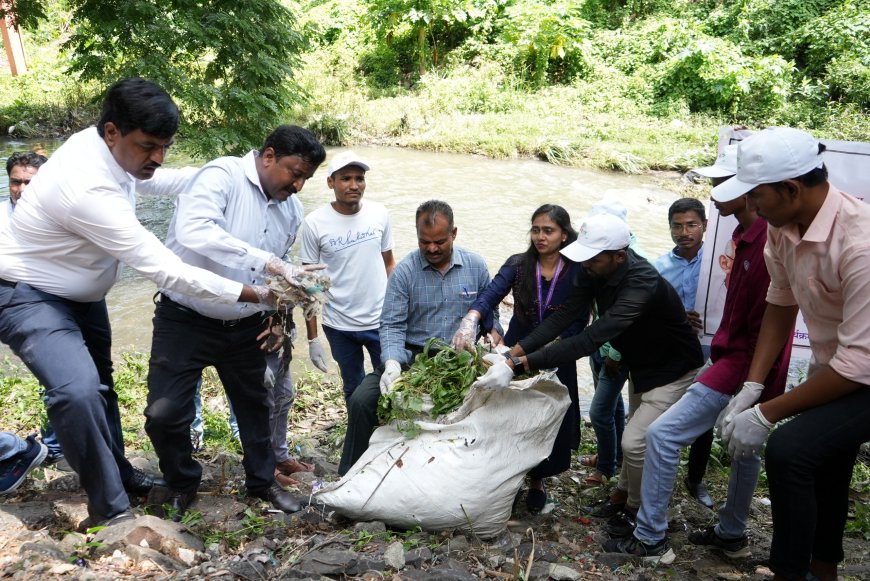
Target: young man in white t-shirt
[{"x": 355, "y": 241}]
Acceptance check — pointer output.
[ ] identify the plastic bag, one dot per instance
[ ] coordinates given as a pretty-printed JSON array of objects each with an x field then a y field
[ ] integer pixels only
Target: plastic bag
[{"x": 462, "y": 472}]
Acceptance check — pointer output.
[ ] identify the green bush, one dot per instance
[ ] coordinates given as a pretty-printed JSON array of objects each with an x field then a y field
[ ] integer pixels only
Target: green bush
[
  {"x": 765, "y": 26},
  {"x": 676, "y": 65},
  {"x": 552, "y": 41},
  {"x": 849, "y": 80}
]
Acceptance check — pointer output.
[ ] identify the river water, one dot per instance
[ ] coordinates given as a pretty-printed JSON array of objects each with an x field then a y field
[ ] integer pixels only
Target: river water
[{"x": 492, "y": 201}]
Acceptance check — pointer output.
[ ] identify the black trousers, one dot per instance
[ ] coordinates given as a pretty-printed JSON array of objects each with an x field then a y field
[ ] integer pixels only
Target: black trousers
[
  {"x": 809, "y": 463},
  {"x": 183, "y": 344}
]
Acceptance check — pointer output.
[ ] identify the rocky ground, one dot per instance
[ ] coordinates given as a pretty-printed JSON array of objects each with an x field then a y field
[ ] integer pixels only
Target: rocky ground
[{"x": 227, "y": 536}]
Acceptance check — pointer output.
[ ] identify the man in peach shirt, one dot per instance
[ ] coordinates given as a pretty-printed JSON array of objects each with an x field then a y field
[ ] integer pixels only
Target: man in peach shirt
[{"x": 818, "y": 256}]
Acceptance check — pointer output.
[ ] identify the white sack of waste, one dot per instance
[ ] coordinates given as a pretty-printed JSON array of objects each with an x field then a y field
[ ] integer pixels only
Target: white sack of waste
[{"x": 462, "y": 472}]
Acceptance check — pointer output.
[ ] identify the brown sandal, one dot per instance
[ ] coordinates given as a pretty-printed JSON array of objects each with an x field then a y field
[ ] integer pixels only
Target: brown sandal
[
  {"x": 590, "y": 461},
  {"x": 595, "y": 479}
]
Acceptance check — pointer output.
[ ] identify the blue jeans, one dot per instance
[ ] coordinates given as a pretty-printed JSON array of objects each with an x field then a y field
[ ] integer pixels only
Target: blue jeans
[
  {"x": 607, "y": 412},
  {"x": 67, "y": 346},
  {"x": 281, "y": 395},
  {"x": 11, "y": 445},
  {"x": 347, "y": 350},
  {"x": 197, "y": 427},
  {"x": 49, "y": 438},
  {"x": 694, "y": 414}
]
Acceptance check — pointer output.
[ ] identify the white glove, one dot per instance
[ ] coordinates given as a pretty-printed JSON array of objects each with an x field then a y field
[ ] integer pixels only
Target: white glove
[
  {"x": 744, "y": 400},
  {"x": 265, "y": 296},
  {"x": 498, "y": 376},
  {"x": 750, "y": 431},
  {"x": 392, "y": 370},
  {"x": 291, "y": 273},
  {"x": 466, "y": 335},
  {"x": 317, "y": 354}
]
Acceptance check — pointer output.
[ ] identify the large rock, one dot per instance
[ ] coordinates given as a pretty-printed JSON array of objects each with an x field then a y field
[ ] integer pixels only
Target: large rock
[
  {"x": 169, "y": 538},
  {"x": 326, "y": 562},
  {"x": 143, "y": 556},
  {"x": 25, "y": 515}
]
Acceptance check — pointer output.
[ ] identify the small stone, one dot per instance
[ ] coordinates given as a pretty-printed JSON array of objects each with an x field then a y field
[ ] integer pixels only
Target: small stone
[
  {"x": 61, "y": 569},
  {"x": 394, "y": 556},
  {"x": 563, "y": 573},
  {"x": 186, "y": 556},
  {"x": 373, "y": 527}
]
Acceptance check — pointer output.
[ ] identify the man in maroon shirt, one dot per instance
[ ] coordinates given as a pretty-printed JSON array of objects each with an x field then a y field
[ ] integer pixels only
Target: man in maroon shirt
[{"x": 711, "y": 396}]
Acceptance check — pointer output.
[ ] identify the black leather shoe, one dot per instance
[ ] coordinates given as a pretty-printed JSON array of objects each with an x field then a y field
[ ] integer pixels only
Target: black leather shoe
[
  {"x": 91, "y": 522},
  {"x": 177, "y": 503},
  {"x": 604, "y": 509},
  {"x": 140, "y": 483},
  {"x": 620, "y": 526},
  {"x": 698, "y": 491},
  {"x": 280, "y": 498}
]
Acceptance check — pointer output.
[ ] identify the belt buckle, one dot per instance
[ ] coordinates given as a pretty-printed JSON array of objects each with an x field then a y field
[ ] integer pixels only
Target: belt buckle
[{"x": 232, "y": 323}]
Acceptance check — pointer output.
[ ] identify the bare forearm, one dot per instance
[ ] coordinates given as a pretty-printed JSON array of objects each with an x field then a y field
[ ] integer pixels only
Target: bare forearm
[
  {"x": 248, "y": 295},
  {"x": 311, "y": 327},
  {"x": 776, "y": 328},
  {"x": 821, "y": 387}
]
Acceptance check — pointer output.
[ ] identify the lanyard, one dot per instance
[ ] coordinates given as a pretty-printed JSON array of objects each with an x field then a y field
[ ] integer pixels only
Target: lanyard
[{"x": 542, "y": 306}]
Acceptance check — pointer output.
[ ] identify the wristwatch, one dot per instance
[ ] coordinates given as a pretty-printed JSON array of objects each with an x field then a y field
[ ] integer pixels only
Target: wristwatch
[{"x": 519, "y": 368}]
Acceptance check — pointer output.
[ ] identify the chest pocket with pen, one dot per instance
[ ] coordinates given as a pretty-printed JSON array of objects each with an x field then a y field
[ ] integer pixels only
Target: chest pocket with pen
[{"x": 467, "y": 295}]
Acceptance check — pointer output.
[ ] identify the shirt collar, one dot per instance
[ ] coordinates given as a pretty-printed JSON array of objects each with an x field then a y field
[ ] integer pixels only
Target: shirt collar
[
  {"x": 821, "y": 226},
  {"x": 249, "y": 163},
  {"x": 456, "y": 260},
  {"x": 99, "y": 144},
  {"x": 676, "y": 256},
  {"x": 757, "y": 229}
]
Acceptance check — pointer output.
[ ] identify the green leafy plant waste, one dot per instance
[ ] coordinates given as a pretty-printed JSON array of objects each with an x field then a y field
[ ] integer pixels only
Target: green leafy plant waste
[{"x": 440, "y": 374}]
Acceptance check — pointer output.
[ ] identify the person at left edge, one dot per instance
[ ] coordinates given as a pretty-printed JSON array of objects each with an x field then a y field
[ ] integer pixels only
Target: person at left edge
[
  {"x": 236, "y": 217},
  {"x": 60, "y": 256},
  {"x": 21, "y": 166}
]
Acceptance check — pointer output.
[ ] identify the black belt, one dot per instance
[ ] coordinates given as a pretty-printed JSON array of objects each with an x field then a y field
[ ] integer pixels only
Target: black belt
[{"x": 251, "y": 320}]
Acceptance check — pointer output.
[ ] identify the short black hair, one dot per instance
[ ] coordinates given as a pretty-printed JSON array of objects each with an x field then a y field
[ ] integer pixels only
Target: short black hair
[
  {"x": 815, "y": 176},
  {"x": 294, "y": 140},
  {"x": 428, "y": 210},
  {"x": 137, "y": 103},
  {"x": 25, "y": 159},
  {"x": 687, "y": 205}
]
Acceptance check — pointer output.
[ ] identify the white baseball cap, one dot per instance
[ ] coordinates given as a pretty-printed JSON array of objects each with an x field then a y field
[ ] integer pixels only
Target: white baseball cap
[
  {"x": 612, "y": 207},
  {"x": 344, "y": 159},
  {"x": 725, "y": 166},
  {"x": 598, "y": 233},
  {"x": 770, "y": 156}
]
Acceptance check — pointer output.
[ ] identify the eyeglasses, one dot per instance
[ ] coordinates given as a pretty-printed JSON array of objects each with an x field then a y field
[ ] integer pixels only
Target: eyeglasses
[
  {"x": 17, "y": 182},
  {"x": 688, "y": 227}
]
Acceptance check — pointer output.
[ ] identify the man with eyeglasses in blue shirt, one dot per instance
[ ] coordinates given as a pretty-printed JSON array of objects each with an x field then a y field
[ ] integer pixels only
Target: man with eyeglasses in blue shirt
[{"x": 681, "y": 266}]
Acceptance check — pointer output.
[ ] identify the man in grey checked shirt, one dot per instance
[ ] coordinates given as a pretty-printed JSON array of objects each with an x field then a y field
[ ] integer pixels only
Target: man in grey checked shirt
[{"x": 429, "y": 292}]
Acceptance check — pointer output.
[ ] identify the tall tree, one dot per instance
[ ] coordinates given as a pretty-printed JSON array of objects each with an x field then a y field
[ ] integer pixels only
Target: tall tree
[{"x": 229, "y": 63}]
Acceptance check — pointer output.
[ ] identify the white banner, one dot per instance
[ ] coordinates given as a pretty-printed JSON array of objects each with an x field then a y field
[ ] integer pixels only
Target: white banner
[{"x": 847, "y": 164}]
